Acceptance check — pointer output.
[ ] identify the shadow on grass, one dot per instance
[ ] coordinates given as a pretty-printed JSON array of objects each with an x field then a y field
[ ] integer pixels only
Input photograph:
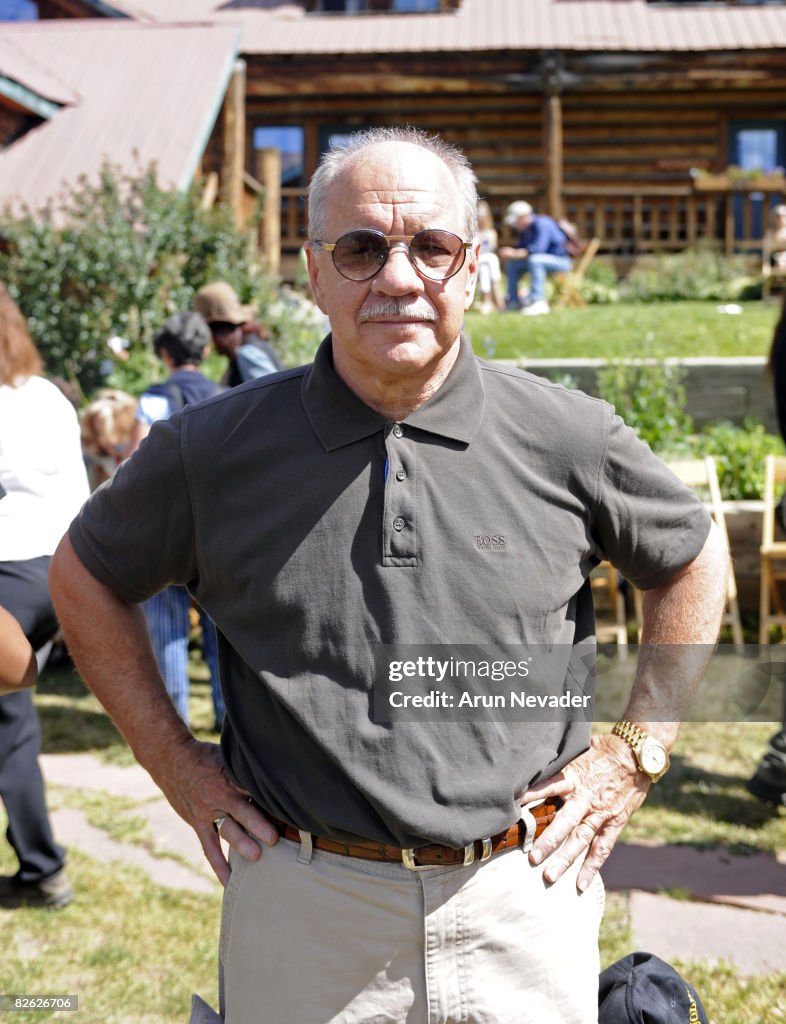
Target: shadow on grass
[
  {"x": 72, "y": 721},
  {"x": 714, "y": 795}
]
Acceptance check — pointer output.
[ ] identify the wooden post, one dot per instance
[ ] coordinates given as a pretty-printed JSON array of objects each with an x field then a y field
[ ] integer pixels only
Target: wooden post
[
  {"x": 234, "y": 157},
  {"x": 552, "y": 133},
  {"x": 268, "y": 173}
]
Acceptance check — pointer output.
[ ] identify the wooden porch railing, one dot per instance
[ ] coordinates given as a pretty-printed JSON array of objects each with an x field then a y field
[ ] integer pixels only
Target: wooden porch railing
[{"x": 630, "y": 221}]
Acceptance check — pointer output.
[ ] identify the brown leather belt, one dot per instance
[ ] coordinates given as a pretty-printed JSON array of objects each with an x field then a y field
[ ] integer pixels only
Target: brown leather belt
[{"x": 523, "y": 833}]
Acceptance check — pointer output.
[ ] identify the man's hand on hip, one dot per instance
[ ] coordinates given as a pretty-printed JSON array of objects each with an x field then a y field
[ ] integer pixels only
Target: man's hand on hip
[
  {"x": 197, "y": 785},
  {"x": 601, "y": 789}
]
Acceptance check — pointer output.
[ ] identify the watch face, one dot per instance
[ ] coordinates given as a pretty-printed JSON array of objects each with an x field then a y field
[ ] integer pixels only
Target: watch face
[{"x": 653, "y": 758}]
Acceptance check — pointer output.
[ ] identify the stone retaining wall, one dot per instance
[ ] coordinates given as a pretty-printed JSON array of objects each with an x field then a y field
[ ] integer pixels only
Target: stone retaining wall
[{"x": 728, "y": 389}]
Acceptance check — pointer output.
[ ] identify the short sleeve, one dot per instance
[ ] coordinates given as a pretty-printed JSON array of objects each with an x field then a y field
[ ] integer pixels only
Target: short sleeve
[
  {"x": 136, "y": 533},
  {"x": 647, "y": 523}
]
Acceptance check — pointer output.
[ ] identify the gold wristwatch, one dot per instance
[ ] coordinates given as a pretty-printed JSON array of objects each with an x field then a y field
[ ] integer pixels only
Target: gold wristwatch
[{"x": 652, "y": 756}]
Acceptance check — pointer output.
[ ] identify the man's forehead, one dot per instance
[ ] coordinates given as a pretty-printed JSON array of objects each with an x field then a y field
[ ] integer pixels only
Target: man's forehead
[
  {"x": 419, "y": 185},
  {"x": 404, "y": 198},
  {"x": 395, "y": 173}
]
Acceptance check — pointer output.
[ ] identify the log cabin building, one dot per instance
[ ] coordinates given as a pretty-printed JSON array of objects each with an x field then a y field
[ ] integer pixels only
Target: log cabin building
[{"x": 622, "y": 115}]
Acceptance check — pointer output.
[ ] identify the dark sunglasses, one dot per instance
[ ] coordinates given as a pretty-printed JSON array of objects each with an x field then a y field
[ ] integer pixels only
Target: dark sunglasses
[
  {"x": 222, "y": 327},
  {"x": 434, "y": 253}
]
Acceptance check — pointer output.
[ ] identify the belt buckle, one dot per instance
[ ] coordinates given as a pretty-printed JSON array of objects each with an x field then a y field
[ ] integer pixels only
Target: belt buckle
[
  {"x": 408, "y": 860},
  {"x": 530, "y": 823},
  {"x": 408, "y": 857}
]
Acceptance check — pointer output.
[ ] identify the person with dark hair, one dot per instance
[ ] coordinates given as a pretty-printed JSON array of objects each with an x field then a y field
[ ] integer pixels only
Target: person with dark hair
[
  {"x": 42, "y": 485},
  {"x": 182, "y": 345},
  {"x": 768, "y": 782},
  {"x": 236, "y": 335},
  {"x": 397, "y": 493}
]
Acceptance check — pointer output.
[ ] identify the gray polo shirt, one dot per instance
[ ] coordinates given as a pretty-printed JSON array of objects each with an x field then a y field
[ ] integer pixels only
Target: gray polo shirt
[{"x": 313, "y": 531}]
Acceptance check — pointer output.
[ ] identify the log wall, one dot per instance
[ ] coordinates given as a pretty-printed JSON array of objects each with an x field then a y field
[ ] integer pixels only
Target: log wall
[{"x": 627, "y": 145}]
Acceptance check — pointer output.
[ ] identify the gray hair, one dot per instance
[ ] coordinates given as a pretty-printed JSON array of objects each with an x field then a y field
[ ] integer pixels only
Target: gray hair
[{"x": 338, "y": 157}]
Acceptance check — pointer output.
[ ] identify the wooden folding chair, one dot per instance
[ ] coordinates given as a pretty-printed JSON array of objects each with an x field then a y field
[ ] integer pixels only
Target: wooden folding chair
[
  {"x": 610, "y": 618},
  {"x": 702, "y": 475},
  {"x": 772, "y": 552},
  {"x": 567, "y": 284}
]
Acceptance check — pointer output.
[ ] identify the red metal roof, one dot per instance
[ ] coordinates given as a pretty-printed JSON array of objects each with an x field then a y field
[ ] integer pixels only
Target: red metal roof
[
  {"x": 271, "y": 27},
  {"x": 140, "y": 92}
]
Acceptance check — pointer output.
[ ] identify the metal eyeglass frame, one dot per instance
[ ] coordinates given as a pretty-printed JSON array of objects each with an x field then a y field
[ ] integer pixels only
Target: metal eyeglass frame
[{"x": 390, "y": 241}]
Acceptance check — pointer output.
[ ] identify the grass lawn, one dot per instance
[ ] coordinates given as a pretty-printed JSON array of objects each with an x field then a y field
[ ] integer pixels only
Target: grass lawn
[
  {"x": 625, "y": 329},
  {"x": 134, "y": 952}
]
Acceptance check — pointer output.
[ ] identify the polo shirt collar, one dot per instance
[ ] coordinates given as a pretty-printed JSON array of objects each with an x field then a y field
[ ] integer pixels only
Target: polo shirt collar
[{"x": 339, "y": 417}]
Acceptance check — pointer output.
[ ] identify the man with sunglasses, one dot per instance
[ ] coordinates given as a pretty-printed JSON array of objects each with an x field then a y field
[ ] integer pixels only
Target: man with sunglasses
[{"x": 398, "y": 497}]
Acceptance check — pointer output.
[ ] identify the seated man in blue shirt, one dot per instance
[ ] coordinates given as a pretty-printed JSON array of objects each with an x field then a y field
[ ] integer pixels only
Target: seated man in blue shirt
[{"x": 541, "y": 250}]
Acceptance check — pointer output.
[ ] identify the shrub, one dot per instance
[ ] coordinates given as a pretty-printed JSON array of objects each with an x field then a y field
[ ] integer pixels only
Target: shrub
[
  {"x": 700, "y": 273},
  {"x": 600, "y": 285},
  {"x": 117, "y": 257},
  {"x": 739, "y": 453},
  {"x": 649, "y": 394}
]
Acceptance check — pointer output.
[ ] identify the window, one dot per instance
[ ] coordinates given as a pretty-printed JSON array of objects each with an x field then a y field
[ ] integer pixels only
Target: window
[
  {"x": 18, "y": 10},
  {"x": 756, "y": 146},
  {"x": 379, "y": 6},
  {"x": 415, "y": 5},
  {"x": 336, "y": 136},
  {"x": 289, "y": 140},
  {"x": 341, "y": 6}
]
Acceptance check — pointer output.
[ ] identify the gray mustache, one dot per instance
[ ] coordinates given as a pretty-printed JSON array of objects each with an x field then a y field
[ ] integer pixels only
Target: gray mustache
[{"x": 396, "y": 307}]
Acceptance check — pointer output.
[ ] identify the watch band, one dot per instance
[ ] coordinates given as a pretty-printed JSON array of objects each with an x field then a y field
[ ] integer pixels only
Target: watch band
[
  {"x": 640, "y": 743},
  {"x": 632, "y": 734}
]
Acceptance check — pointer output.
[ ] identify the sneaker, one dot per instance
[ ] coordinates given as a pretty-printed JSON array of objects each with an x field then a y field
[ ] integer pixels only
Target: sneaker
[
  {"x": 769, "y": 782},
  {"x": 538, "y": 308},
  {"x": 53, "y": 892}
]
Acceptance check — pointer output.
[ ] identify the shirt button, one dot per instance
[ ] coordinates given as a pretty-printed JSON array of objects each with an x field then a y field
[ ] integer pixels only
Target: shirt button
[
  {"x": 398, "y": 430},
  {"x": 401, "y": 474},
  {"x": 398, "y": 524}
]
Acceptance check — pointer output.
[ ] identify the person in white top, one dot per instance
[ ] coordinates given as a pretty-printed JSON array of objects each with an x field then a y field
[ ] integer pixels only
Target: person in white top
[
  {"x": 43, "y": 484},
  {"x": 489, "y": 273}
]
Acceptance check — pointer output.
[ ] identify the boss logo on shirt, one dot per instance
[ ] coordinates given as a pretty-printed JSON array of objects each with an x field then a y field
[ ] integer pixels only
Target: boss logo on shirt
[{"x": 489, "y": 542}]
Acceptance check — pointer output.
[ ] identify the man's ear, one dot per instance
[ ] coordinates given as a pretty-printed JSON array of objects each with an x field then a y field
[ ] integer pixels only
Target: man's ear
[
  {"x": 473, "y": 255},
  {"x": 313, "y": 275}
]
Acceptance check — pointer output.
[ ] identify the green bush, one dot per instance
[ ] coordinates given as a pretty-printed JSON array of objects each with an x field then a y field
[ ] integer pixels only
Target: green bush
[
  {"x": 701, "y": 273},
  {"x": 600, "y": 284},
  {"x": 651, "y": 398},
  {"x": 649, "y": 395},
  {"x": 117, "y": 257},
  {"x": 739, "y": 454}
]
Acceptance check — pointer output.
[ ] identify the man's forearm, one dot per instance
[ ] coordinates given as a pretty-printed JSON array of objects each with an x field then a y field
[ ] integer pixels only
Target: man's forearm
[
  {"x": 109, "y": 643},
  {"x": 17, "y": 660},
  {"x": 108, "y": 640},
  {"x": 680, "y": 628}
]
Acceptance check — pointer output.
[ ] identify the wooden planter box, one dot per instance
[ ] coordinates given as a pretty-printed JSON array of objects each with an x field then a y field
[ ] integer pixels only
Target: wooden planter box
[{"x": 725, "y": 183}]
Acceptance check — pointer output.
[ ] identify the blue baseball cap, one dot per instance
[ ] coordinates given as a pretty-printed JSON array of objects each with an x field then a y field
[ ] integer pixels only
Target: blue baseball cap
[{"x": 643, "y": 989}]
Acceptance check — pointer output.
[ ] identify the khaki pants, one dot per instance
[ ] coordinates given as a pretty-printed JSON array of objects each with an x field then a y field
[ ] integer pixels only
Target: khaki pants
[{"x": 312, "y": 939}]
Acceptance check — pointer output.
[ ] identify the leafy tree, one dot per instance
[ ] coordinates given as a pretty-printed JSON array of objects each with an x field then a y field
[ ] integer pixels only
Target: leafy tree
[{"x": 117, "y": 257}]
